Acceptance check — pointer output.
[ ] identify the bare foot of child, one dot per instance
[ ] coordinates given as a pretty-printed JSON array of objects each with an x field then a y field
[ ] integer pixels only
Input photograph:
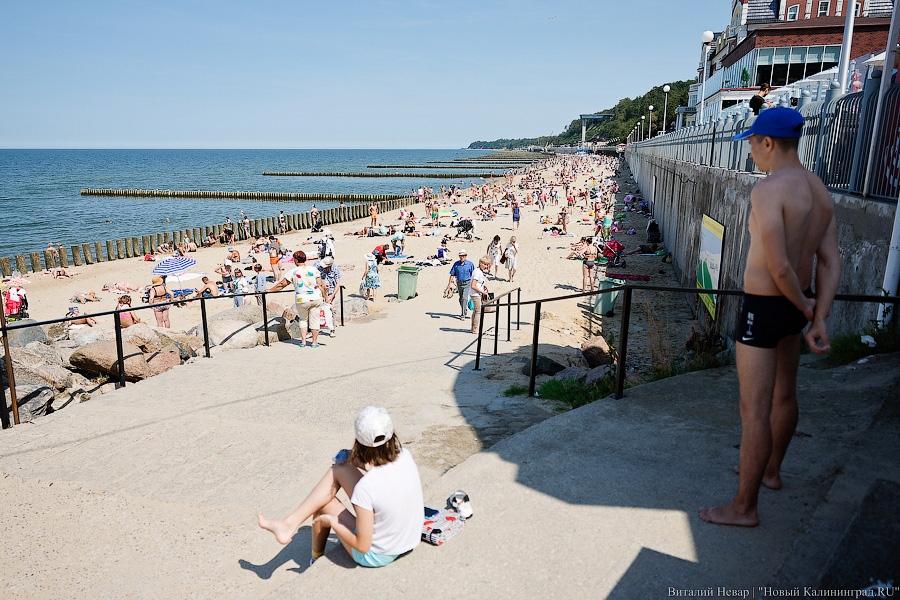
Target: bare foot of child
[{"x": 282, "y": 533}]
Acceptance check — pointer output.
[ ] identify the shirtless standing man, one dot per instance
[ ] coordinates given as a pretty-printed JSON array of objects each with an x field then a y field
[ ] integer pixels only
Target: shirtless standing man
[{"x": 791, "y": 224}]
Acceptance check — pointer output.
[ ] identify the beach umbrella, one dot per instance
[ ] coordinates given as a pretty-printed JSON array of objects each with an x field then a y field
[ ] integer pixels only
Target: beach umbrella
[{"x": 174, "y": 266}]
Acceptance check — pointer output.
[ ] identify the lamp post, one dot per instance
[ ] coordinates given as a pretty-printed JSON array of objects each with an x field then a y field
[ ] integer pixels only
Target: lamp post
[
  {"x": 666, "y": 89},
  {"x": 706, "y": 38},
  {"x": 643, "y": 117},
  {"x": 650, "y": 123}
]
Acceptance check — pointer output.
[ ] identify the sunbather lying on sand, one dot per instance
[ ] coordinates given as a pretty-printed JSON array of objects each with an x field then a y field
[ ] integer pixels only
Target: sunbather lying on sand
[{"x": 85, "y": 297}]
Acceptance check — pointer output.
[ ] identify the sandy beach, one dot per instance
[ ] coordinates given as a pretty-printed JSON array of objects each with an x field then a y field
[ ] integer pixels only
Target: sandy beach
[{"x": 542, "y": 269}]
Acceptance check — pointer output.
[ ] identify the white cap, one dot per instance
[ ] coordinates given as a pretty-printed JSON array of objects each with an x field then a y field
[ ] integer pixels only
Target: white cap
[
  {"x": 373, "y": 426},
  {"x": 228, "y": 262}
]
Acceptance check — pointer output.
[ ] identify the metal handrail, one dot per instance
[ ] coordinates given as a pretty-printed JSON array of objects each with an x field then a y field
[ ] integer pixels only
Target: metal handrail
[
  {"x": 622, "y": 350},
  {"x": 6, "y": 327},
  {"x": 496, "y": 302}
]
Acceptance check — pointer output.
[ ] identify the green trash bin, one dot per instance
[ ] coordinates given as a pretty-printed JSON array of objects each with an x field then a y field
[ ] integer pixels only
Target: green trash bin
[
  {"x": 407, "y": 278},
  {"x": 604, "y": 303}
]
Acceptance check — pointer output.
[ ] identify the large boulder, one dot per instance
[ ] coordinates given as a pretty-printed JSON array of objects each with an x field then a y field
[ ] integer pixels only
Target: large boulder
[
  {"x": 47, "y": 352},
  {"x": 576, "y": 373},
  {"x": 595, "y": 351},
  {"x": 232, "y": 335},
  {"x": 89, "y": 335},
  {"x": 353, "y": 307},
  {"x": 278, "y": 331},
  {"x": 246, "y": 314},
  {"x": 597, "y": 373},
  {"x": 142, "y": 336},
  {"x": 544, "y": 366},
  {"x": 102, "y": 358},
  {"x": 187, "y": 345},
  {"x": 29, "y": 367},
  {"x": 160, "y": 362},
  {"x": 33, "y": 400},
  {"x": 19, "y": 338}
]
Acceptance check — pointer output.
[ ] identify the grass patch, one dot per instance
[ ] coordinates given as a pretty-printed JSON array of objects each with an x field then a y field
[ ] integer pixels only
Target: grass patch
[
  {"x": 515, "y": 390},
  {"x": 573, "y": 393},
  {"x": 849, "y": 347}
]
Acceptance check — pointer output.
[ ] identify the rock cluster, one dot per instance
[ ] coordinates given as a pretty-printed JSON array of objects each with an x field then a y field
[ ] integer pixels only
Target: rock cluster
[{"x": 54, "y": 365}]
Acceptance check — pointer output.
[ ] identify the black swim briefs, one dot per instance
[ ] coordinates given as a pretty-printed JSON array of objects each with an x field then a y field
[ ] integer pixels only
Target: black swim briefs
[{"x": 766, "y": 320}]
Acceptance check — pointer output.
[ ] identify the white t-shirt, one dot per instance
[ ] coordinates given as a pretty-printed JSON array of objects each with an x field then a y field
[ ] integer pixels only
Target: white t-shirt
[
  {"x": 303, "y": 278},
  {"x": 478, "y": 276},
  {"x": 394, "y": 493}
]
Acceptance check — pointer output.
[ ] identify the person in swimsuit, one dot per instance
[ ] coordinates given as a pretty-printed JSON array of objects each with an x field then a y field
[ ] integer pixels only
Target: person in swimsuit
[
  {"x": 127, "y": 319},
  {"x": 209, "y": 290},
  {"x": 793, "y": 241},
  {"x": 588, "y": 261},
  {"x": 160, "y": 293},
  {"x": 274, "y": 257}
]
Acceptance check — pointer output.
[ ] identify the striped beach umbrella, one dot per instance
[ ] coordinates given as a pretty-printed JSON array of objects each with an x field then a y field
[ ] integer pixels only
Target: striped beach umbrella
[{"x": 176, "y": 264}]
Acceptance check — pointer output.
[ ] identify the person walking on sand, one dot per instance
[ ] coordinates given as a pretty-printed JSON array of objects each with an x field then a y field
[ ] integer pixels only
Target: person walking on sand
[
  {"x": 382, "y": 481},
  {"x": 373, "y": 214},
  {"x": 274, "y": 256},
  {"x": 461, "y": 273},
  {"x": 516, "y": 215},
  {"x": 792, "y": 228},
  {"x": 511, "y": 252},
  {"x": 371, "y": 280},
  {"x": 478, "y": 290},
  {"x": 494, "y": 251},
  {"x": 307, "y": 295}
]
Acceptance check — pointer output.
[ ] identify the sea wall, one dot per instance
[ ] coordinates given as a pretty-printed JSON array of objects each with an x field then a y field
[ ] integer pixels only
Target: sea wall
[{"x": 681, "y": 193}]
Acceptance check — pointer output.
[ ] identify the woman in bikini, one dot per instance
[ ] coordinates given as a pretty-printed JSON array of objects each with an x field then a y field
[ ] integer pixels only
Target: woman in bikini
[
  {"x": 160, "y": 293},
  {"x": 588, "y": 261}
]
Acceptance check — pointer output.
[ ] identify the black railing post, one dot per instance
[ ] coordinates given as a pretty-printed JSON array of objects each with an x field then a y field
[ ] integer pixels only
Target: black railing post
[
  {"x": 480, "y": 334},
  {"x": 508, "y": 316},
  {"x": 496, "y": 325},
  {"x": 518, "y": 308},
  {"x": 119, "y": 351},
  {"x": 623, "y": 342},
  {"x": 341, "y": 292},
  {"x": 534, "y": 348},
  {"x": 205, "y": 325},
  {"x": 4, "y": 415},
  {"x": 265, "y": 318}
]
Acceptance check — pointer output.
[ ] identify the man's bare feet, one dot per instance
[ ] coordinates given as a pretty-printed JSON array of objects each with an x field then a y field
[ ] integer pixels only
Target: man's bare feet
[
  {"x": 728, "y": 515},
  {"x": 769, "y": 481},
  {"x": 282, "y": 533}
]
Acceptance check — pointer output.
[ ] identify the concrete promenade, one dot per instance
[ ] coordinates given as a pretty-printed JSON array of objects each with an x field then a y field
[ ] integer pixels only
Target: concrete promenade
[{"x": 152, "y": 491}]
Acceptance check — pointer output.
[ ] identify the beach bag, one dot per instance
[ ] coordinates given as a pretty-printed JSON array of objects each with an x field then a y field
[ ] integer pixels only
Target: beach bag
[
  {"x": 487, "y": 298},
  {"x": 440, "y": 525},
  {"x": 503, "y": 259}
]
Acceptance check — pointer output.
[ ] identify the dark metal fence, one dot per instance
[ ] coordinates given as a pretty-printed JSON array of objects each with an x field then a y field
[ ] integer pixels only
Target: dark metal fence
[
  {"x": 622, "y": 350},
  {"x": 836, "y": 142},
  {"x": 6, "y": 327}
]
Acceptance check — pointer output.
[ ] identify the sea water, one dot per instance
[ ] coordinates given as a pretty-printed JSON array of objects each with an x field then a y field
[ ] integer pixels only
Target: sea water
[{"x": 41, "y": 201}]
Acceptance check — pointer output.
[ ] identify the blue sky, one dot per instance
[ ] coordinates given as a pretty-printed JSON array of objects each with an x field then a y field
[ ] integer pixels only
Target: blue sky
[{"x": 272, "y": 74}]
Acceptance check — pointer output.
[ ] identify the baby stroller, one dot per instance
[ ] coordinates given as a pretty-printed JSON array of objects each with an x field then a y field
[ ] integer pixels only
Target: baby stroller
[
  {"x": 654, "y": 235},
  {"x": 15, "y": 304},
  {"x": 612, "y": 253},
  {"x": 465, "y": 228},
  {"x": 318, "y": 225}
]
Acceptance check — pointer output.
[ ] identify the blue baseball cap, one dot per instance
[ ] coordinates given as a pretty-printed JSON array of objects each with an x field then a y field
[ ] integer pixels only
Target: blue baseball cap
[{"x": 778, "y": 122}]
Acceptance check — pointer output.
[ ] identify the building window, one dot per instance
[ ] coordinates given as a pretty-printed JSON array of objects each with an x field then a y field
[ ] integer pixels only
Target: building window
[
  {"x": 793, "y": 12},
  {"x": 823, "y": 8},
  {"x": 856, "y": 9},
  {"x": 796, "y": 64},
  {"x": 814, "y": 56},
  {"x": 782, "y": 66}
]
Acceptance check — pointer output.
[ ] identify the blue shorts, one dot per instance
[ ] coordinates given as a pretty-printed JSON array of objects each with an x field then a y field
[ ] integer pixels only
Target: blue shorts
[{"x": 373, "y": 559}]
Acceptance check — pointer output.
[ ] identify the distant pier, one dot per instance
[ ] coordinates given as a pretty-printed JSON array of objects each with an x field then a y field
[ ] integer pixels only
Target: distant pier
[
  {"x": 484, "y": 175},
  {"x": 277, "y": 196}
]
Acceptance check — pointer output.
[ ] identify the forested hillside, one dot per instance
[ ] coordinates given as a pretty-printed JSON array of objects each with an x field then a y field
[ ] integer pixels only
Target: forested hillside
[{"x": 625, "y": 115}]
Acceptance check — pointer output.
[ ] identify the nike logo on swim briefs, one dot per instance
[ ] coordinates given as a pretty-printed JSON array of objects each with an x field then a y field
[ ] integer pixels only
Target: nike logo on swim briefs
[{"x": 745, "y": 338}]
